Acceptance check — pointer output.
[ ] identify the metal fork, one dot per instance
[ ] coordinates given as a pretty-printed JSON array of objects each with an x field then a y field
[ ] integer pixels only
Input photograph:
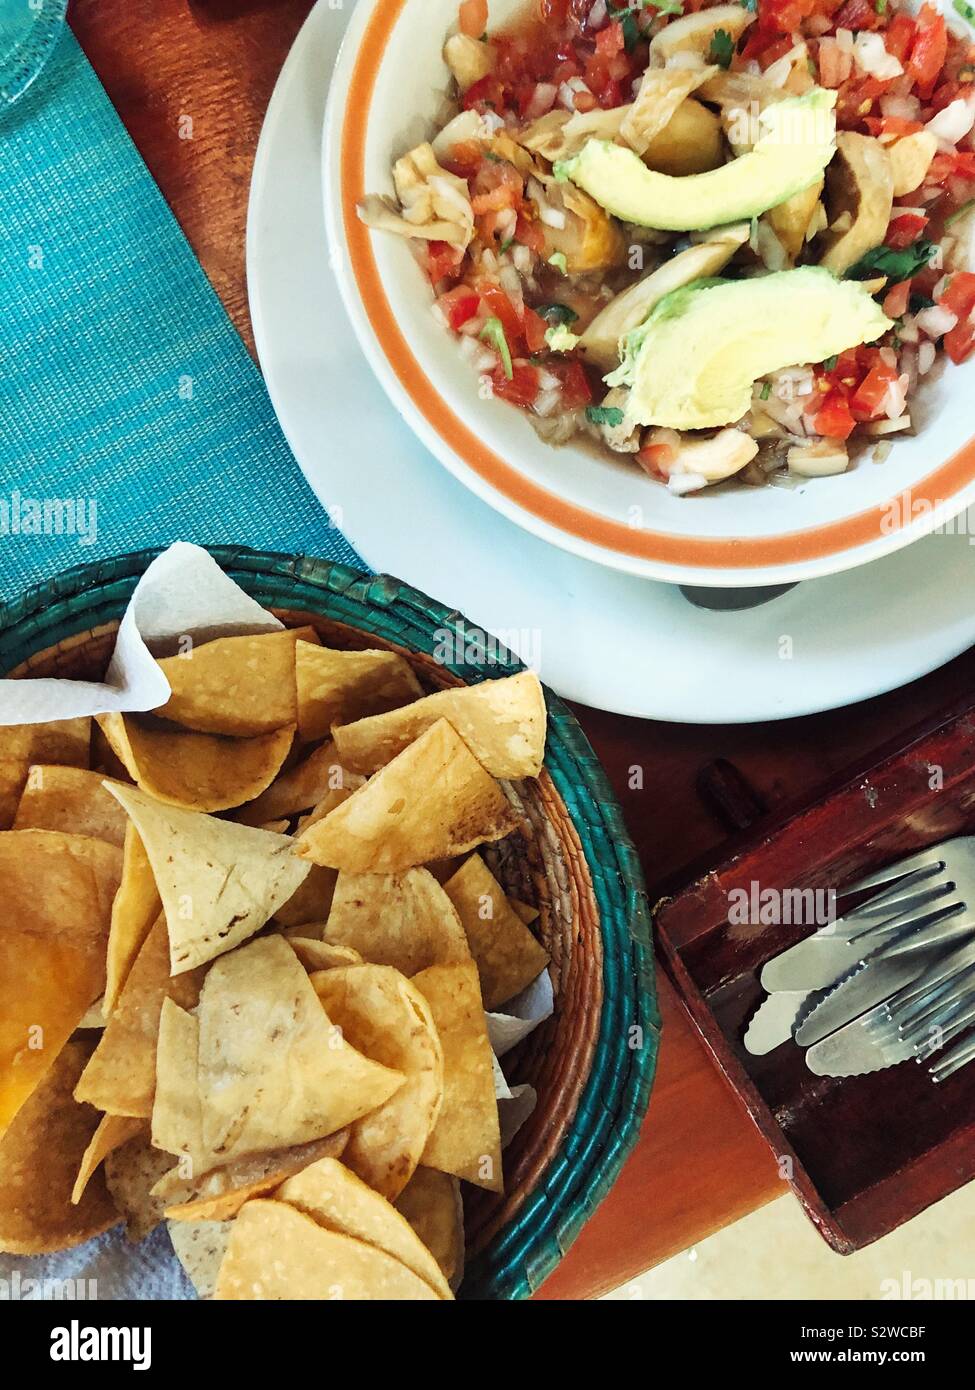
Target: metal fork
[{"x": 926, "y": 898}]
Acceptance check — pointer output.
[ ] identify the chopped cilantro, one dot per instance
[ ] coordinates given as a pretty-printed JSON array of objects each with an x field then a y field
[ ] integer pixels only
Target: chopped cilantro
[
  {"x": 557, "y": 313},
  {"x": 750, "y": 5},
  {"x": 604, "y": 415},
  {"x": 493, "y": 333},
  {"x": 560, "y": 262},
  {"x": 830, "y": 363},
  {"x": 880, "y": 6},
  {"x": 966, "y": 10},
  {"x": 919, "y": 302},
  {"x": 896, "y": 265},
  {"x": 722, "y": 48},
  {"x": 766, "y": 390},
  {"x": 507, "y": 244}
]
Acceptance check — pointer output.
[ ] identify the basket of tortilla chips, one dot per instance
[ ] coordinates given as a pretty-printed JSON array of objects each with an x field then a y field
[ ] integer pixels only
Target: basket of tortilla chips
[{"x": 324, "y": 941}]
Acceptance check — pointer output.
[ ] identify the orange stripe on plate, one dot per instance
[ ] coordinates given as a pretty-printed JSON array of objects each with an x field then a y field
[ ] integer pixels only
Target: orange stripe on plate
[{"x": 742, "y": 553}]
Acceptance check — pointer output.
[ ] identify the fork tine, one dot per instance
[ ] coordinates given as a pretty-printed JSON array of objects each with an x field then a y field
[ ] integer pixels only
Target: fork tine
[
  {"x": 954, "y": 1060},
  {"x": 931, "y": 859},
  {"x": 911, "y": 907}
]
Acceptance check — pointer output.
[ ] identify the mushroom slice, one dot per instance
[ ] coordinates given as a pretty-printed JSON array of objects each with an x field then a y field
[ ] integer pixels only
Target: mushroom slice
[
  {"x": 860, "y": 184},
  {"x": 819, "y": 460},
  {"x": 694, "y": 32},
  {"x": 560, "y": 135},
  {"x": 600, "y": 341},
  {"x": 910, "y": 159},
  {"x": 468, "y": 59},
  {"x": 661, "y": 93},
  {"x": 706, "y": 461}
]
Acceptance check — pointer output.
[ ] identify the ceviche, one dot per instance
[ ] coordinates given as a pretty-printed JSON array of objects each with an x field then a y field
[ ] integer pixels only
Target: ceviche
[{"x": 722, "y": 240}]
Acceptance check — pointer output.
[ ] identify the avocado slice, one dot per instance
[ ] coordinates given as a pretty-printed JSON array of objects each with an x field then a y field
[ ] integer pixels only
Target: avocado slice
[
  {"x": 693, "y": 363},
  {"x": 799, "y": 140}
]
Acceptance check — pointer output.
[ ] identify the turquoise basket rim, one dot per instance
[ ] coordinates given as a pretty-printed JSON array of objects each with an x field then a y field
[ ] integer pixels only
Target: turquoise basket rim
[{"x": 616, "y": 1094}]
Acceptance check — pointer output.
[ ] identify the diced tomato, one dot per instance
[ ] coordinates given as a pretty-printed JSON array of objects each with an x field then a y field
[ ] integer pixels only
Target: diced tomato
[
  {"x": 554, "y": 11},
  {"x": 858, "y": 14},
  {"x": 960, "y": 165},
  {"x": 610, "y": 40},
  {"x": 501, "y": 307},
  {"x": 521, "y": 389},
  {"x": 530, "y": 233},
  {"x": 895, "y": 126},
  {"x": 656, "y": 459},
  {"x": 473, "y": 17},
  {"x": 443, "y": 261},
  {"x": 959, "y": 294},
  {"x": 834, "y": 419},
  {"x": 897, "y": 300},
  {"x": 904, "y": 231},
  {"x": 929, "y": 50},
  {"x": 464, "y": 159},
  {"x": 869, "y": 396},
  {"x": 489, "y": 91},
  {"x": 959, "y": 341},
  {"x": 856, "y": 98},
  {"x": 760, "y": 37},
  {"x": 899, "y": 36},
  {"x": 458, "y": 305},
  {"x": 576, "y": 391},
  {"x": 776, "y": 50},
  {"x": 535, "y": 329}
]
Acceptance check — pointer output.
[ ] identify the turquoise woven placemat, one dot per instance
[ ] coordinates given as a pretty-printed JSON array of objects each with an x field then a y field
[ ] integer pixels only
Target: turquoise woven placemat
[{"x": 131, "y": 414}]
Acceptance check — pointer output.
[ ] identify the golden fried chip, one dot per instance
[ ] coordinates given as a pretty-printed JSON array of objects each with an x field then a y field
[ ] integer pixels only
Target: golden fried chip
[
  {"x": 219, "y": 882},
  {"x": 336, "y": 1199},
  {"x": 320, "y": 955},
  {"x": 57, "y": 893},
  {"x": 202, "y": 772},
  {"x": 121, "y": 1076},
  {"x": 384, "y": 1017},
  {"x": 466, "y": 1139},
  {"x": 278, "y": 1253},
  {"x": 299, "y": 788},
  {"x": 72, "y": 800},
  {"x": 273, "y": 1070},
  {"x": 506, "y": 954},
  {"x": 334, "y": 687},
  {"x": 502, "y": 722},
  {"x": 433, "y": 800},
  {"x": 177, "y": 1114},
  {"x": 200, "y": 1247},
  {"x": 311, "y": 902},
  {"x": 63, "y": 742},
  {"x": 406, "y": 921},
  {"x": 234, "y": 685},
  {"x": 113, "y": 1131},
  {"x": 352, "y": 781},
  {"x": 39, "y": 1158},
  {"x": 432, "y": 1204},
  {"x": 131, "y": 1173},
  {"x": 220, "y": 1194},
  {"x": 134, "y": 911},
  {"x": 525, "y": 911}
]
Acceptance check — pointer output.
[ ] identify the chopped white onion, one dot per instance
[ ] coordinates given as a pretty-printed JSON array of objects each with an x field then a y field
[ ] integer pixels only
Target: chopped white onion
[
  {"x": 543, "y": 99},
  {"x": 547, "y": 402},
  {"x": 681, "y": 483},
  {"x": 936, "y": 321},
  {"x": 552, "y": 217},
  {"x": 926, "y": 355},
  {"x": 953, "y": 123},
  {"x": 871, "y": 56}
]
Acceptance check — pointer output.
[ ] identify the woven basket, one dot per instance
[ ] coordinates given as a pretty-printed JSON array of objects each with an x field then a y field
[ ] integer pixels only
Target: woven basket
[{"x": 593, "y": 1062}]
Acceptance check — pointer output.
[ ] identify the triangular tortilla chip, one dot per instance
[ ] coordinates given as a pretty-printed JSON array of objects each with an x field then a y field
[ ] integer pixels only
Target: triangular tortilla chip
[
  {"x": 71, "y": 800},
  {"x": 278, "y": 1253},
  {"x": 311, "y": 902},
  {"x": 39, "y": 1158},
  {"x": 339, "y": 1201},
  {"x": 220, "y": 1194},
  {"x": 219, "y": 882},
  {"x": 202, "y": 772},
  {"x": 121, "y": 1076},
  {"x": 334, "y": 687},
  {"x": 240, "y": 686},
  {"x": 405, "y": 921},
  {"x": 177, "y": 1113},
  {"x": 57, "y": 893},
  {"x": 273, "y": 1070},
  {"x": 131, "y": 1173},
  {"x": 433, "y": 800},
  {"x": 64, "y": 742},
  {"x": 432, "y": 1204},
  {"x": 502, "y": 722},
  {"x": 506, "y": 954},
  {"x": 113, "y": 1131},
  {"x": 320, "y": 955},
  {"x": 200, "y": 1247},
  {"x": 466, "y": 1139},
  {"x": 300, "y": 787},
  {"x": 384, "y": 1017},
  {"x": 134, "y": 911}
]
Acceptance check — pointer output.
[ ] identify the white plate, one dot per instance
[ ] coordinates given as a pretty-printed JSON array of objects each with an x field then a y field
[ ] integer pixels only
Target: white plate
[{"x": 608, "y": 639}]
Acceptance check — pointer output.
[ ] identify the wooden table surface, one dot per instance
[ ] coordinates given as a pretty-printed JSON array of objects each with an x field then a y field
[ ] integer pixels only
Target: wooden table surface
[{"x": 699, "y": 1164}]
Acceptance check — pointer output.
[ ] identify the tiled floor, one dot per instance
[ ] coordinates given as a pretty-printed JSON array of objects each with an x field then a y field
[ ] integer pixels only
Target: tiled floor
[{"x": 776, "y": 1254}]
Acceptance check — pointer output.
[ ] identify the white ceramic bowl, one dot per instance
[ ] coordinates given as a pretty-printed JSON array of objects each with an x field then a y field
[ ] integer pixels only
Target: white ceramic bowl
[{"x": 388, "y": 89}]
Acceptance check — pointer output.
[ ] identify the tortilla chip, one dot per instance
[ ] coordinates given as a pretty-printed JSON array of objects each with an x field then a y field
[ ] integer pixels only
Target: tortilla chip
[
  {"x": 525, "y": 911},
  {"x": 177, "y": 1114},
  {"x": 352, "y": 782},
  {"x": 202, "y": 772},
  {"x": 93, "y": 1016},
  {"x": 57, "y": 893},
  {"x": 274, "y": 827},
  {"x": 502, "y": 722},
  {"x": 200, "y": 1247},
  {"x": 241, "y": 686},
  {"x": 407, "y": 922},
  {"x": 384, "y": 1017},
  {"x": 312, "y": 901},
  {"x": 299, "y": 788},
  {"x": 63, "y": 742},
  {"x": 278, "y": 1253},
  {"x": 506, "y": 954},
  {"x": 466, "y": 1139},
  {"x": 219, "y": 882},
  {"x": 431, "y": 801},
  {"x": 339, "y": 1201},
  {"x": 131, "y": 1173},
  {"x": 134, "y": 911},
  {"x": 432, "y": 1204},
  {"x": 220, "y": 1194},
  {"x": 334, "y": 687},
  {"x": 69, "y": 799},
  {"x": 121, "y": 1076},
  {"x": 113, "y": 1131},
  {"x": 39, "y": 1158},
  {"x": 273, "y": 1070},
  {"x": 320, "y": 955}
]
